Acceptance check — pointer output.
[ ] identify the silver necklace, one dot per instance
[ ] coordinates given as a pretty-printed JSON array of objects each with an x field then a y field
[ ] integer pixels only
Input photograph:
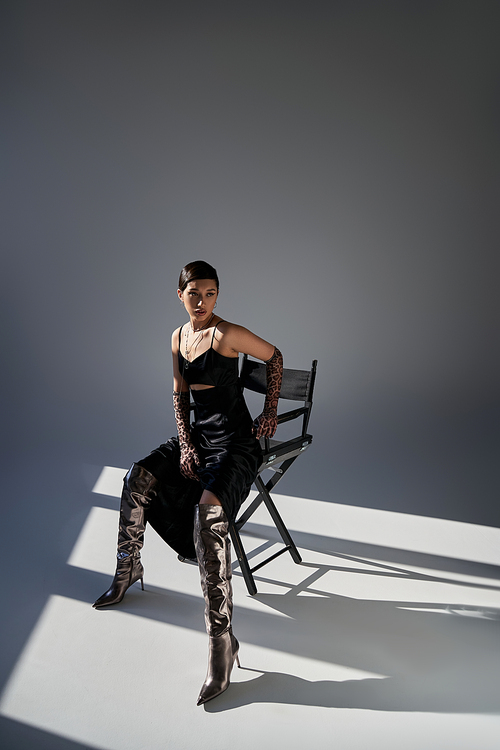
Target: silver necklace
[{"x": 194, "y": 345}]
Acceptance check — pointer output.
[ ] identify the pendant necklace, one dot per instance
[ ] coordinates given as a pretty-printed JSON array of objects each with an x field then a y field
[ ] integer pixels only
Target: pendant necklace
[{"x": 197, "y": 340}]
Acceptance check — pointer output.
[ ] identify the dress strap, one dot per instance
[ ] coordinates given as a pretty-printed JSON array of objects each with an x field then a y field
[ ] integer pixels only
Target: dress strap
[
  {"x": 180, "y": 331},
  {"x": 213, "y": 334}
]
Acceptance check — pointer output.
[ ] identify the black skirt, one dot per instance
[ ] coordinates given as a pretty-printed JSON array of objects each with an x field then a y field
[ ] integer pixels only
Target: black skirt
[{"x": 230, "y": 458}]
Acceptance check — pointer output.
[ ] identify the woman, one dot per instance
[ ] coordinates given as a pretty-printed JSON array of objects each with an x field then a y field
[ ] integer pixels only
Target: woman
[{"x": 190, "y": 486}]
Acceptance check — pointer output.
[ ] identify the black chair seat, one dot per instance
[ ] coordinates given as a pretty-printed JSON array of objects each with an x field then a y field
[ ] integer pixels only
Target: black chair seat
[{"x": 282, "y": 450}]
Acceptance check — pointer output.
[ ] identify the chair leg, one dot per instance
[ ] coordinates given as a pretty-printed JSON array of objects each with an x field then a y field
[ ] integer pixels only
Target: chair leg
[
  {"x": 243, "y": 561},
  {"x": 285, "y": 535},
  {"x": 234, "y": 527}
]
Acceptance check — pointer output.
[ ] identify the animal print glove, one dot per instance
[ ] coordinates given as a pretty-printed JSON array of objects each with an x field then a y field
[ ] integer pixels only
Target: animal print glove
[
  {"x": 189, "y": 457},
  {"x": 265, "y": 425}
]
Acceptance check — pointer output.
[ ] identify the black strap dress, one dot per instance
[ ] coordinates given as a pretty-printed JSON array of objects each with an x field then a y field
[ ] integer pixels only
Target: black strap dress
[{"x": 230, "y": 454}]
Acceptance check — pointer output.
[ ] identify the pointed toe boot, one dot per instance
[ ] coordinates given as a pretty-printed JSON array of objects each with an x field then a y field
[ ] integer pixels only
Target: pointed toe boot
[
  {"x": 128, "y": 570},
  {"x": 139, "y": 487},
  {"x": 222, "y": 653},
  {"x": 213, "y": 551}
]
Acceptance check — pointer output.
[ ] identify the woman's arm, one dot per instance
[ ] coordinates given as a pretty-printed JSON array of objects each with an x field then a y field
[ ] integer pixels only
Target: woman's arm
[
  {"x": 189, "y": 457},
  {"x": 240, "y": 339},
  {"x": 235, "y": 339},
  {"x": 179, "y": 382}
]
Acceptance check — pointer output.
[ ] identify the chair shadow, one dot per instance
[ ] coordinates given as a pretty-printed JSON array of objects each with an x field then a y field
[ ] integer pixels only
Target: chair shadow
[
  {"x": 443, "y": 661},
  {"x": 388, "y": 694},
  {"x": 368, "y": 553}
]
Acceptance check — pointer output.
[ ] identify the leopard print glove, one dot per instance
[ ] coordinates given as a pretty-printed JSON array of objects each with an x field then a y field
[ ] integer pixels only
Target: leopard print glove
[
  {"x": 265, "y": 425},
  {"x": 189, "y": 461},
  {"x": 189, "y": 457}
]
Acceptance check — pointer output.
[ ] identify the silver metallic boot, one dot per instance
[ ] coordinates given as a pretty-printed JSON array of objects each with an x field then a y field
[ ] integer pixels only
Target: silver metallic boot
[
  {"x": 213, "y": 551},
  {"x": 138, "y": 489}
]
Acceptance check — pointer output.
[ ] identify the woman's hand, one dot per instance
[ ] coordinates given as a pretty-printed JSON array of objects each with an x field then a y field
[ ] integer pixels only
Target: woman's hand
[
  {"x": 189, "y": 461},
  {"x": 266, "y": 423}
]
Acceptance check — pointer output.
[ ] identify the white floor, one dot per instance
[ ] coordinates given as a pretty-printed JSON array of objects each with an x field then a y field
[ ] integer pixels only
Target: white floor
[{"x": 387, "y": 636}]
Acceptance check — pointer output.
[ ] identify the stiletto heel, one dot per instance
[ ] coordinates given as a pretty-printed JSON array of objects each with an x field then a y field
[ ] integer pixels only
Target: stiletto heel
[
  {"x": 138, "y": 490},
  {"x": 212, "y": 544},
  {"x": 128, "y": 570},
  {"x": 238, "y": 661}
]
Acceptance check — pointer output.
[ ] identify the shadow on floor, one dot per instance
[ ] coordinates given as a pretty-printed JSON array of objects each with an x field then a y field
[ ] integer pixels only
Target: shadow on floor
[
  {"x": 446, "y": 660},
  {"x": 338, "y": 547},
  {"x": 391, "y": 694},
  {"x": 14, "y": 735}
]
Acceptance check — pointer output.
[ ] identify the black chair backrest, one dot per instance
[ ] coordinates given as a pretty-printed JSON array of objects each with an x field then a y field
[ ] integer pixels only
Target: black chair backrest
[{"x": 297, "y": 385}]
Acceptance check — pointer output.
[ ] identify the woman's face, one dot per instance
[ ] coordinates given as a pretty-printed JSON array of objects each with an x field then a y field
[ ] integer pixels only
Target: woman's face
[{"x": 199, "y": 298}]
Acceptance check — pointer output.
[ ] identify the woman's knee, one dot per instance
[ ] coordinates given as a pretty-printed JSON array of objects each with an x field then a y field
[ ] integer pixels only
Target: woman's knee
[
  {"x": 208, "y": 498},
  {"x": 139, "y": 480}
]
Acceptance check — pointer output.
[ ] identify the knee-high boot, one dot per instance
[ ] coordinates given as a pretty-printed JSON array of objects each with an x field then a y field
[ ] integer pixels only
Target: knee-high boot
[
  {"x": 213, "y": 551},
  {"x": 139, "y": 487}
]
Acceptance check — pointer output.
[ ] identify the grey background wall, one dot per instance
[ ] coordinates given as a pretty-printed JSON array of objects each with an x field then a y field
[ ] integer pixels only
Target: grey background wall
[{"x": 337, "y": 162}]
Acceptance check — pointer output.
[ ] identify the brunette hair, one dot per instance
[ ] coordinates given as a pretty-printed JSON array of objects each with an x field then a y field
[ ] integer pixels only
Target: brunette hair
[{"x": 198, "y": 269}]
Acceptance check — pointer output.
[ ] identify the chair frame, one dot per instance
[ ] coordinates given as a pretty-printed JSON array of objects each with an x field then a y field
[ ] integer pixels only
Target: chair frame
[{"x": 277, "y": 455}]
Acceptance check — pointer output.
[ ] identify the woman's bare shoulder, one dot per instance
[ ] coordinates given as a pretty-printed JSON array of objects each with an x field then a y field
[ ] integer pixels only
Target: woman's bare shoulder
[
  {"x": 230, "y": 331},
  {"x": 240, "y": 339},
  {"x": 225, "y": 326}
]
